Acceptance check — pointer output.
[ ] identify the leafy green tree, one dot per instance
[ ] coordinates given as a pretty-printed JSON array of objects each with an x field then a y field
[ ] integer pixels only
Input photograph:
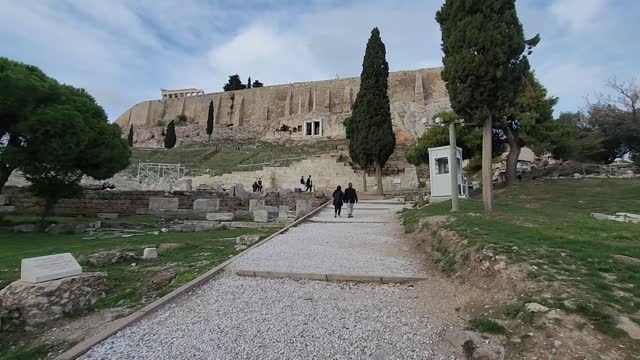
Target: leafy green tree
[
  {"x": 485, "y": 63},
  {"x": 234, "y": 83},
  {"x": 257, "y": 84},
  {"x": 67, "y": 140},
  {"x": 170, "y": 135},
  {"x": 210, "y": 120},
  {"x": 130, "y": 136},
  {"x": 522, "y": 122},
  {"x": 23, "y": 90},
  {"x": 249, "y": 83},
  {"x": 371, "y": 137}
]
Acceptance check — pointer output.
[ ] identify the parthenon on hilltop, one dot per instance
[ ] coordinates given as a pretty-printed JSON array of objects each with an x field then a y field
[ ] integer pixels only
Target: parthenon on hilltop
[
  {"x": 169, "y": 94},
  {"x": 305, "y": 110}
]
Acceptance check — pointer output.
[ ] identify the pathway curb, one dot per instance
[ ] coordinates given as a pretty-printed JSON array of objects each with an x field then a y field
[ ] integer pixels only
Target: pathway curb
[
  {"x": 383, "y": 279},
  {"x": 84, "y": 346}
]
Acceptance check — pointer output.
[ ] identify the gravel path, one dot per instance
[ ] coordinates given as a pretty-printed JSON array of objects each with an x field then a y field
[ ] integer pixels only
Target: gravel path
[
  {"x": 233, "y": 317},
  {"x": 370, "y": 243}
]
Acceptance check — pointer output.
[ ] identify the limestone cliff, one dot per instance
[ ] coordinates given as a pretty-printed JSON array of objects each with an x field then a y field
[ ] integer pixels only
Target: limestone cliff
[{"x": 300, "y": 110}]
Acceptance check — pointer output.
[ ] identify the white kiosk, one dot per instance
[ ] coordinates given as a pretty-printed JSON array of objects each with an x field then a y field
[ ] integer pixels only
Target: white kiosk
[{"x": 439, "y": 174}]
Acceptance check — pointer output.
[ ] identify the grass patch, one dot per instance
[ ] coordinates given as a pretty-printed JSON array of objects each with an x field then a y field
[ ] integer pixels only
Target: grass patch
[
  {"x": 548, "y": 224},
  {"x": 486, "y": 326},
  {"x": 227, "y": 158}
]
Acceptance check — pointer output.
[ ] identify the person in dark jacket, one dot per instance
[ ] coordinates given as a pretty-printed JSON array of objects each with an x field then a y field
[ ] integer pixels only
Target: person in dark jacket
[
  {"x": 309, "y": 184},
  {"x": 350, "y": 197},
  {"x": 255, "y": 186},
  {"x": 302, "y": 180},
  {"x": 338, "y": 196}
]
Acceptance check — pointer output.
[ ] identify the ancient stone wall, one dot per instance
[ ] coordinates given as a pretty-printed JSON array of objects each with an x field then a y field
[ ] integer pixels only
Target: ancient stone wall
[
  {"x": 93, "y": 202},
  {"x": 280, "y": 111}
]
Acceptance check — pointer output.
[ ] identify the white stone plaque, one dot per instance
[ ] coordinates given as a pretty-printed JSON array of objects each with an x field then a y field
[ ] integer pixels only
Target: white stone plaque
[{"x": 51, "y": 267}]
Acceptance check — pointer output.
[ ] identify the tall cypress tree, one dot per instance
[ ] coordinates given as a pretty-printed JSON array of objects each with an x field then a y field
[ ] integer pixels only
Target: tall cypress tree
[
  {"x": 210, "y": 120},
  {"x": 371, "y": 138},
  {"x": 249, "y": 83},
  {"x": 484, "y": 66},
  {"x": 130, "y": 136},
  {"x": 170, "y": 136}
]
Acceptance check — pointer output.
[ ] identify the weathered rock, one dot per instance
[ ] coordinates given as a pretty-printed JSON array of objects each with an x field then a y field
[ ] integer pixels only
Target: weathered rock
[
  {"x": 161, "y": 280},
  {"x": 109, "y": 257},
  {"x": 240, "y": 247},
  {"x": 631, "y": 328},
  {"x": 255, "y": 204},
  {"x": 167, "y": 247},
  {"x": 488, "y": 352},
  {"x": 49, "y": 267},
  {"x": 238, "y": 191},
  {"x": 247, "y": 239},
  {"x": 555, "y": 315},
  {"x": 201, "y": 225},
  {"x": 150, "y": 253},
  {"x": 303, "y": 207},
  {"x": 7, "y": 209},
  {"x": 535, "y": 307},
  {"x": 58, "y": 229},
  {"x": 25, "y": 228},
  {"x": 164, "y": 230},
  {"x": 107, "y": 216},
  {"x": 163, "y": 203},
  {"x": 42, "y": 302},
  {"x": 220, "y": 216},
  {"x": 4, "y": 200},
  {"x": 206, "y": 204},
  {"x": 261, "y": 216}
]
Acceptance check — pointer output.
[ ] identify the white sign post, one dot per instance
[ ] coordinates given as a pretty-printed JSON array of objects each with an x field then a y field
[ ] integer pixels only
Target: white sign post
[{"x": 51, "y": 267}]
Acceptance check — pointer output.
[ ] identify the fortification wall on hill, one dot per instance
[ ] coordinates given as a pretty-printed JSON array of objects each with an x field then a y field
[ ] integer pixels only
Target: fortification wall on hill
[{"x": 280, "y": 111}]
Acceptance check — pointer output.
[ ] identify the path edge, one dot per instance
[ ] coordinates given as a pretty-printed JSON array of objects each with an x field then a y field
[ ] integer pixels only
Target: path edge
[{"x": 117, "y": 325}]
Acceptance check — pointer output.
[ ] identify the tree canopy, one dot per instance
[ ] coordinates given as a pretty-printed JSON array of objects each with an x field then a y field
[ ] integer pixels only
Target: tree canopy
[
  {"x": 234, "y": 83},
  {"x": 170, "y": 135},
  {"x": 210, "y": 120},
  {"x": 54, "y": 134}
]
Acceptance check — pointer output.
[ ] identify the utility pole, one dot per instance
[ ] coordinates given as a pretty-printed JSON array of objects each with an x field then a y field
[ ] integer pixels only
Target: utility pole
[{"x": 453, "y": 167}]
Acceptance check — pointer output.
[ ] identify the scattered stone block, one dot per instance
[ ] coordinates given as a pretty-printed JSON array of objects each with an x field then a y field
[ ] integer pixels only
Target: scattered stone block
[
  {"x": 238, "y": 191},
  {"x": 51, "y": 267},
  {"x": 25, "y": 228},
  {"x": 150, "y": 253},
  {"x": 163, "y": 203},
  {"x": 38, "y": 303},
  {"x": 57, "y": 229},
  {"x": 4, "y": 200},
  {"x": 107, "y": 216},
  {"x": 220, "y": 216},
  {"x": 261, "y": 216},
  {"x": 161, "y": 280},
  {"x": 255, "y": 204},
  {"x": 247, "y": 239},
  {"x": 206, "y": 204},
  {"x": 167, "y": 247},
  {"x": 599, "y": 216},
  {"x": 201, "y": 225},
  {"x": 283, "y": 208},
  {"x": 6, "y": 209},
  {"x": 303, "y": 207},
  {"x": 535, "y": 308}
]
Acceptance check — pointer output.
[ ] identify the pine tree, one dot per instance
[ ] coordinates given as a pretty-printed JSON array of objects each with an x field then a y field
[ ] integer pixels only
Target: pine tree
[
  {"x": 484, "y": 66},
  {"x": 210, "y": 120},
  {"x": 234, "y": 83},
  {"x": 130, "y": 136},
  {"x": 371, "y": 137},
  {"x": 170, "y": 136},
  {"x": 249, "y": 83}
]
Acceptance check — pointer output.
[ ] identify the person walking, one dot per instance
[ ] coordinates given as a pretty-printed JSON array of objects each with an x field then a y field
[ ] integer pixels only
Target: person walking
[
  {"x": 255, "y": 186},
  {"x": 338, "y": 196},
  {"x": 350, "y": 197},
  {"x": 259, "y": 185},
  {"x": 309, "y": 184}
]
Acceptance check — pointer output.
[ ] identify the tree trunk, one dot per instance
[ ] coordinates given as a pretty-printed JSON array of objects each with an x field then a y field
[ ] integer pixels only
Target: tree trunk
[
  {"x": 487, "y": 171},
  {"x": 379, "y": 191},
  {"x": 512, "y": 157},
  {"x": 5, "y": 172},
  {"x": 364, "y": 180}
]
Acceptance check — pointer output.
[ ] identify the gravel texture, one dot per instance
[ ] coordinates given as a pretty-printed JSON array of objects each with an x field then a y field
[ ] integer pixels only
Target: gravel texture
[
  {"x": 233, "y": 317},
  {"x": 250, "y": 318},
  {"x": 370, "y": 243}
]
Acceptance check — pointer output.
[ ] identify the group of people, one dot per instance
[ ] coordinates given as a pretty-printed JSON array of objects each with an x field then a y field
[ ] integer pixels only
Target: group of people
[
  {"x": 348, "y": 196},
  {"x": 257, "y": 185}
]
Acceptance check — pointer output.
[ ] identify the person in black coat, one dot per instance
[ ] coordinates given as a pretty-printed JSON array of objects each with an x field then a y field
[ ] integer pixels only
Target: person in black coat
[
  {"x": 338, "y": 196},
  {"x": 350, "y": 197},
  {"x": 309, "y": 184}
]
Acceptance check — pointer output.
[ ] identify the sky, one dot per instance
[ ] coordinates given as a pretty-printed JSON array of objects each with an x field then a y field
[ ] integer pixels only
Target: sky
[{"x": 124, "y": 51}]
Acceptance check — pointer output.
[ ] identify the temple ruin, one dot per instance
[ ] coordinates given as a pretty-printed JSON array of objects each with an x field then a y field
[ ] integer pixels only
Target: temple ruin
[{"x": 179, "y": 93}]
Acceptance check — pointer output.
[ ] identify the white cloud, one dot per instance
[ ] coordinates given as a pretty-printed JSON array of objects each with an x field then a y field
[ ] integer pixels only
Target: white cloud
[{"x": 578, "y": 15}]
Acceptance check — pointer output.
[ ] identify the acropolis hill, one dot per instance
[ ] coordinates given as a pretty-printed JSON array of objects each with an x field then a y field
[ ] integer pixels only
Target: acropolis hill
[{"x": 305, "y": 110}]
